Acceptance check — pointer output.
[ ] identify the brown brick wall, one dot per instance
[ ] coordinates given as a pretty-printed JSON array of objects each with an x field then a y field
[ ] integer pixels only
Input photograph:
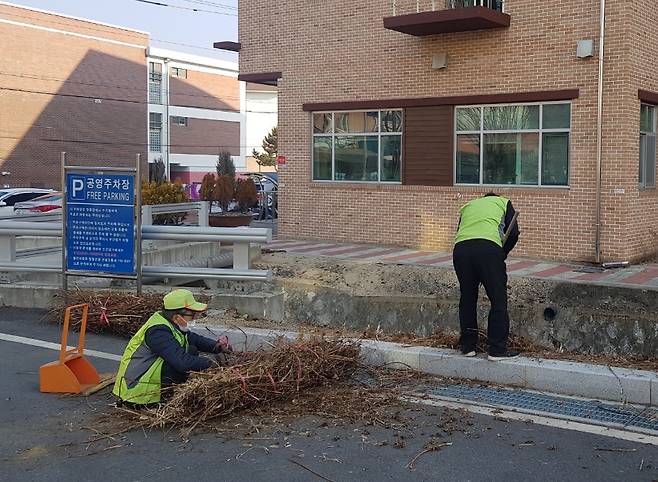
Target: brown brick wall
[
  {"x": 341, "y": 52},
  {"x": 48, "y": 90},
  {"x": 206, "y": 91},
  {"x": 202, "y": 136},
  {"x": 642, "y": 41}
]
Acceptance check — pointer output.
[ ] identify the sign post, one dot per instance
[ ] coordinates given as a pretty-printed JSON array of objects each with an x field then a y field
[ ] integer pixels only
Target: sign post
[{"x": 101, "y": 222}]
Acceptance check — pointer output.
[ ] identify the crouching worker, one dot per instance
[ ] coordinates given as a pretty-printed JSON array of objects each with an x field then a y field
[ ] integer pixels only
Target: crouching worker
[{"x": 164, "y": 351}]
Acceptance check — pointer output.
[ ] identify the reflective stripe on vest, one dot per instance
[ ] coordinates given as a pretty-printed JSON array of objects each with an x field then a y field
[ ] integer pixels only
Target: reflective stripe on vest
[
  {"x": 483, "y": 218},
  {"x": 139, "y": 379}
]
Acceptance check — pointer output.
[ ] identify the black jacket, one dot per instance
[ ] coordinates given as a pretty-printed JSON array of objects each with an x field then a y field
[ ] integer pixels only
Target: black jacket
[
  {"x": 514, "y": 233},
  {"x": 178, "y": 363}
]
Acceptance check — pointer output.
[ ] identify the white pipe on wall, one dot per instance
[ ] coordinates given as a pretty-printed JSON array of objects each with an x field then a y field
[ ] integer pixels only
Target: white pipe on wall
[{"x": 599, "y": 135}]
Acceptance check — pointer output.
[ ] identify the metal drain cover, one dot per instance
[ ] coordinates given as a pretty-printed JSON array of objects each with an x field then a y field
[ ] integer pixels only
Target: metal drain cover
[{"x": 643, "y": 418}]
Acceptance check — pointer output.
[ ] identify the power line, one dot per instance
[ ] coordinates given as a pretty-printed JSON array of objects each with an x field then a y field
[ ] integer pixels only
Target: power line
[
  {"x": 124, "y": 33},
  {"x": 111, "y": 99},
  {"x": 118, "y": 87},
  {"x": 133, "y": 144},
  {"x": 191, "y": 9},
  {"x": 212, "y": 4}
]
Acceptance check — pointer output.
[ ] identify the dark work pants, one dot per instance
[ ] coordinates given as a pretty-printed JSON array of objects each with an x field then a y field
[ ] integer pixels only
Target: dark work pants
[{"x": 480, "y": 261}]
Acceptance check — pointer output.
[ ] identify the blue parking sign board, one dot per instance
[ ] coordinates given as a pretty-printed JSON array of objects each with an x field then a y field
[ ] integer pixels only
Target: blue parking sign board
[{"x": 100, "y": 223}]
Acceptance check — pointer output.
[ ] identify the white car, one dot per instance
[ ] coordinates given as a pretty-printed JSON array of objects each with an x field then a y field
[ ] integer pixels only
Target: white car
[{"x": 9, "y": 197}]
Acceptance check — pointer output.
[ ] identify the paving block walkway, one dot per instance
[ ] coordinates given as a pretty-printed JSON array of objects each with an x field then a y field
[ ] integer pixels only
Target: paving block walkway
[{"x": 644, "y": 276}]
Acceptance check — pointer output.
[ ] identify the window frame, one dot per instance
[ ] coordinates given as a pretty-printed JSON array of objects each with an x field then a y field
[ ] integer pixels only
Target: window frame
[
  {"x": 540, "y": 131},
  {"x": 155, "y": 126},
  {"x": 642, "y": 183},
  {"x": 379, "y": 134},
  {"x": 180, "y": 121},
  {"x": 176, "y": 72}
]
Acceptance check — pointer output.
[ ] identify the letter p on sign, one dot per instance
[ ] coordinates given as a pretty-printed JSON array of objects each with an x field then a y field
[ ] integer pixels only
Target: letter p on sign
[{"x": 77, "y": 187}]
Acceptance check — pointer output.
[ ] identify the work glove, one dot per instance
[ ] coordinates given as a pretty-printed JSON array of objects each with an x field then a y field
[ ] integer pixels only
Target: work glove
[
  {"x": 223, "y": 345},
  {"x": 222, "y": 359}
]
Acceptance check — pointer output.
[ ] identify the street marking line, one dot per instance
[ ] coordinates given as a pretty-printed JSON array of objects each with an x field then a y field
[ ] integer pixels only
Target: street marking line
[
  {"x": 55, "y": 346},
  {"x": 541, "y": 420}
]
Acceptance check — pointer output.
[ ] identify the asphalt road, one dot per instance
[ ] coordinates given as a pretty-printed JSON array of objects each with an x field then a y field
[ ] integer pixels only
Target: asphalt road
[{"x": 40, "y": 439}]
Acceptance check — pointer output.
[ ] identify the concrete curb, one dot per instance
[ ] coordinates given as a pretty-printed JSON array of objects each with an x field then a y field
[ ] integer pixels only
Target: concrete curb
[{"x": 555, "y": 376}]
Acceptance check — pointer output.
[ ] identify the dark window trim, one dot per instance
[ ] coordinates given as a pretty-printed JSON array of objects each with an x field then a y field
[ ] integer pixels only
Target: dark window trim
[
  {"x": 647, "y": 97},
  {"x": 509, "y": 98}
]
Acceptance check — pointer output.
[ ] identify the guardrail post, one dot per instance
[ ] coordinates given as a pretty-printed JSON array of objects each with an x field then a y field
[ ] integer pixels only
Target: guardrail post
[
  {"x": 147, "y": 215},
  {"x": 204, "y": 213},
  {"x": 241, "y": 255},
  {"x": 8, "y": 248}
]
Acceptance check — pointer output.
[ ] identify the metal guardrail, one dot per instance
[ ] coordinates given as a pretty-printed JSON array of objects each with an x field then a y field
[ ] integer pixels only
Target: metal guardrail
[
  {"x": 150, "y": 210},
  {"x": 45, "y": 217},
  {"x": 241, "y": 238}
]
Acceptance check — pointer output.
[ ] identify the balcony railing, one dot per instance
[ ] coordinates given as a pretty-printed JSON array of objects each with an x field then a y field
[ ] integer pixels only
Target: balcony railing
[
  {"x": 432, "y": 17},
  {"x": 400, "y": 6}
]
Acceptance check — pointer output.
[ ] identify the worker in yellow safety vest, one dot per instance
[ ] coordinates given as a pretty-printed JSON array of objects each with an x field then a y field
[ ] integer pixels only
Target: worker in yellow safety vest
[
  {"x": 487, "y": 232},
  {"x": 164, "y": 351}
]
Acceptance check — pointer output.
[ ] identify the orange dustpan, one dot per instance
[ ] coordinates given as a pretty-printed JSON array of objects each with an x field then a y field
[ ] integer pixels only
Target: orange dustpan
[{"x": 72, "y": 373}]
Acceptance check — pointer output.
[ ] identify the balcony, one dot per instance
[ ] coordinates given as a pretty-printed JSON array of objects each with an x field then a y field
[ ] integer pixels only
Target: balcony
[{"x": 454, "y": 16}]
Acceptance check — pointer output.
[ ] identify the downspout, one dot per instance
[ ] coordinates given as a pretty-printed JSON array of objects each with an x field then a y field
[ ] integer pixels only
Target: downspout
[
  {"x": 165, "y": 122},
  {"x": 599, "y": 135}
]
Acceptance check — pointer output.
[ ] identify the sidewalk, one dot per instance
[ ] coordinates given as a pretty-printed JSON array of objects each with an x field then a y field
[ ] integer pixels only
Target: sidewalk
[
  {"x": 564, "y": 377},
  {"x": 642, "y": 276}
]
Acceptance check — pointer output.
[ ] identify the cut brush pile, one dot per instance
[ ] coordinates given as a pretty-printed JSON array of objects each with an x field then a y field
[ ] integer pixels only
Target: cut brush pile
[
  {"x": 258, "y": 379},
  {"x": 115, "y": 313}
]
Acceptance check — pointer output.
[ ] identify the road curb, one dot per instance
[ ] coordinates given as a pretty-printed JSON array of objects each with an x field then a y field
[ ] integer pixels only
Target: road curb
[{"x": 555, "y": 376}]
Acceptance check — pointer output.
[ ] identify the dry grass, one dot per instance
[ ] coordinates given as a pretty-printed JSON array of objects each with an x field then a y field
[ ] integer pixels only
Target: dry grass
[
  {"x": 115, "y": 313},
  {"x": 259, "y": 379}
]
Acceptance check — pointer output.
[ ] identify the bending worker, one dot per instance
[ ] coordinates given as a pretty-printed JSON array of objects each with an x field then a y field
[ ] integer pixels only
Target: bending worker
[
  {"x": 479, "y": 257},
  {"x": 164, "y": 351}
]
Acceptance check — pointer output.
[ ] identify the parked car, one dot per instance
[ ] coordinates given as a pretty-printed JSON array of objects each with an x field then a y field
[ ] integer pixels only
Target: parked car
[
  {"x": 267, "y": 185},
  {"x": 42, "y": 204},
  {"x": 9, "y": 197}
]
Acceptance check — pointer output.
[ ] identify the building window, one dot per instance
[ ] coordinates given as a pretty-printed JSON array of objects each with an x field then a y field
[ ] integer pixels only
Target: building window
[
  {"x": 357, "y": 146},
  {"x": 179, "y": 121},
  {"x": 647, "y": 146},
  {"x": 524, "y": 145},
  {"x": 155, "y": 132},
  {"x": 155, "y": 82},
  {"x": 179, "y": 73}
]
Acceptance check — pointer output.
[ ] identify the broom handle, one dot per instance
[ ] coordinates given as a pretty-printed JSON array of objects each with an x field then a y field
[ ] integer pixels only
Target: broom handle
[{"x": 509, "y": 228}]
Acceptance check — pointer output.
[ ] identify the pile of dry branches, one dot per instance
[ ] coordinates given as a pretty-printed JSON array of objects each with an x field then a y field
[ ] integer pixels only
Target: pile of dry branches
[
  {"x": 446, "y": 340},
  {"x": 259, "y": 378},
  {"x": 115, "y": 313}
]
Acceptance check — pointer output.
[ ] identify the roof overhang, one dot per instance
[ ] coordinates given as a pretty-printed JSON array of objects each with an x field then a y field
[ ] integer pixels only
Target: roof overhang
[
  {"x": 230, "y": 46},
  {"x": 265, "y": 78}
]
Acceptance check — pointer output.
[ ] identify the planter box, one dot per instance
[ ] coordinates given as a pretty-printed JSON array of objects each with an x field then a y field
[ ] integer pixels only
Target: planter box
[{"x": 229, "y": 221}]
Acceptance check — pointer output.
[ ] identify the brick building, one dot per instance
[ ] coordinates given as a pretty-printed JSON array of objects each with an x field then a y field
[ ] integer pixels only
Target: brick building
[
  {"x": 391, "y": 118},
  {"x": 68, "y": 84},
  {"x": 103, "y": 94},
  {"x": 198, "y": 108}
]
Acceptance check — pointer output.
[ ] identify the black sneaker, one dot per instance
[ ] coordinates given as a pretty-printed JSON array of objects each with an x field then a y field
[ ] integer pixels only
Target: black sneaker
[{"x": 508, "y": 355}]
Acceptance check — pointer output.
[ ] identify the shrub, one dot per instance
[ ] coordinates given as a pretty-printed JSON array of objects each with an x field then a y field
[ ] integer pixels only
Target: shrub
[
  {"x": 207, "y": 187},
  {"x": 246, "y": 194},
  {"x": 224, "y": 192},
  {"x": 225, "y": 165},
  {"x": 166, "y": 193}
]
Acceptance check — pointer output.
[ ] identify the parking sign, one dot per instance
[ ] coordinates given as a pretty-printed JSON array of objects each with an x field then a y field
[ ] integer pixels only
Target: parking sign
[{"x": 100, "y": 223}]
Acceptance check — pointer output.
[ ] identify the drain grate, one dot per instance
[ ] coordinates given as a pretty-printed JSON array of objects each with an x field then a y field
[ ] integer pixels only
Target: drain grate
[{"x": 626, "y": 416}]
